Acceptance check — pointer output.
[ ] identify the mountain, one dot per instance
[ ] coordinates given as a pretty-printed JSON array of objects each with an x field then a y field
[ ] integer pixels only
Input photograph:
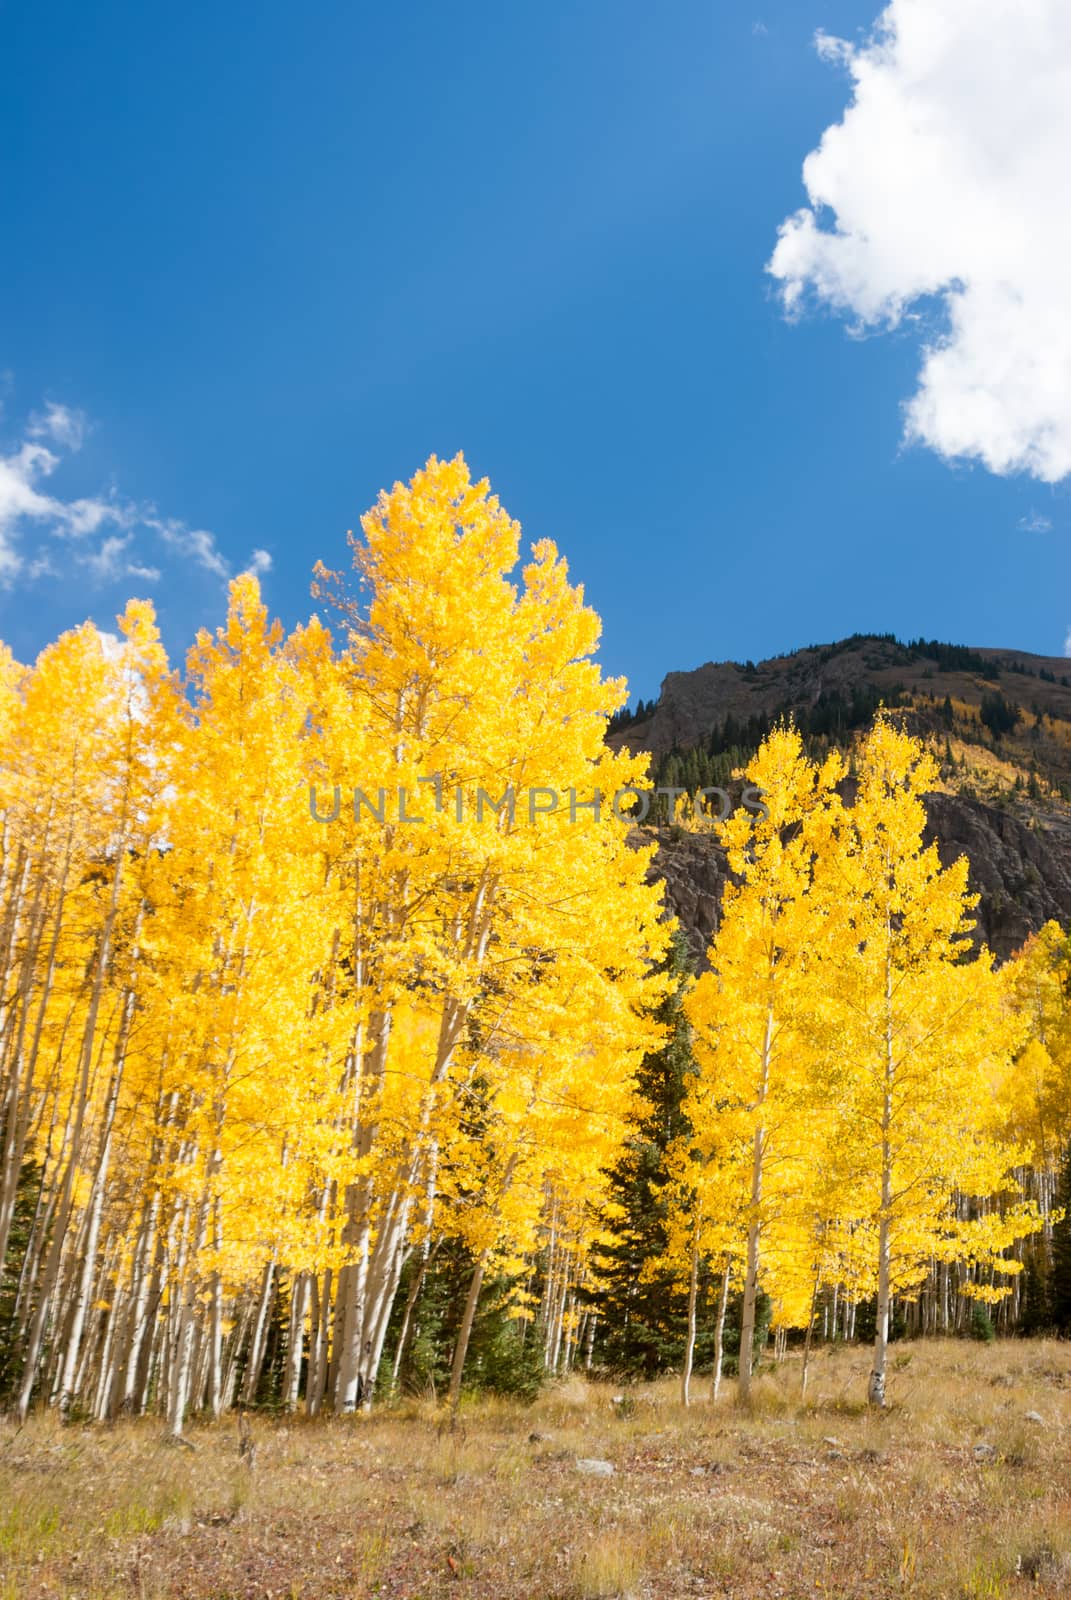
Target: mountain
[{"x": 998, "y": 720}]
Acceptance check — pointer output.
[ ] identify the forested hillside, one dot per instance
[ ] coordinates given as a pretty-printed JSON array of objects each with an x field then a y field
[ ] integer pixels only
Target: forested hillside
[{"x": 997, "y": 721}]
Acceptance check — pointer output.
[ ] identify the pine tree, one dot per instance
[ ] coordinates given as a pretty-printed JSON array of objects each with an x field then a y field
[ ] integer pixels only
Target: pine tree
[
  {"x": 26, "y": 1196},
  {"x": 1034, "y": 1316},
  {"x": 640, "y": 1304}
]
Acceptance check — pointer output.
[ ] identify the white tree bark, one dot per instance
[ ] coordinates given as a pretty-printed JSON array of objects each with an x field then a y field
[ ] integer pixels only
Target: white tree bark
[
  {"x": 689, "y": 1342},
  {"x": 876, "y": 1386},
  {"x": 754, "y": 1227},
  {"x": 719, "y": 1332}
]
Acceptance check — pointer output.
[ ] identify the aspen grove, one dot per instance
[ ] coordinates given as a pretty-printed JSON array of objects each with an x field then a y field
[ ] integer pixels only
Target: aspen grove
[
  {"x": 856, "y": 1057},
  {"x": 267, "y": 1047}
]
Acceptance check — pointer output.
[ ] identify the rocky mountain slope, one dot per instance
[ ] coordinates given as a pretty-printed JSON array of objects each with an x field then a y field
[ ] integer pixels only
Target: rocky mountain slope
[{"x": 998, "y": 720}]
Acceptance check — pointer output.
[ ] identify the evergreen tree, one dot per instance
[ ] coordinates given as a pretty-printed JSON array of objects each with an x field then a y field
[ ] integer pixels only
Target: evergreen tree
[
  {"x": 1033, "y": 1299},
  {"x": 641, "y": 1308},
  {"x": 504, "y": 1355},
  {"x": 29, "y": 1183},
  {"x": 999, "y": 715},
  {"x": 1060, "y": 1275}
]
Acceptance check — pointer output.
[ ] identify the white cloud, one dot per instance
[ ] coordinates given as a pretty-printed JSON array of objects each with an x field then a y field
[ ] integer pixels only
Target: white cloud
[
  {"x": 259, "y": 562},
  {"x": 110, "y": 561},
  {"x": 200, "y": 548},
  {"x": 63, "y": 426},
  {"x": 1067, "y": 644},
  {"x": 104, "y": 531},
  {"x": 944, "y": 188},
  {"x": 1034, "y": 522},
  {"x": 40, "y": 567},
  {"x": 197, "y": 544},
  {"x": 24, "y": 500}
]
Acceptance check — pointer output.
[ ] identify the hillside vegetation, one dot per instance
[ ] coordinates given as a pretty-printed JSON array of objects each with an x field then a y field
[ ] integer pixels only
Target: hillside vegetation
[{"x": 1001, "y": 719}]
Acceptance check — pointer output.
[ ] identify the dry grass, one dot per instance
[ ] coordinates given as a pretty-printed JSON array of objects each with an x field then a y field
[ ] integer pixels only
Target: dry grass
[{"x": 953, "y": 1491}]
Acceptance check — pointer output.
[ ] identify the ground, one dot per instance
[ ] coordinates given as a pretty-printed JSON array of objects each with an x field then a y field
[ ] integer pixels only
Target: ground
[{"x": 962, "y": 1487}]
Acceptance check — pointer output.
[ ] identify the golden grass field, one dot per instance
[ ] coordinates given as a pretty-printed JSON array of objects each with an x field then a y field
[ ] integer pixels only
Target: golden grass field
[{"x": 953, "y": 1491}]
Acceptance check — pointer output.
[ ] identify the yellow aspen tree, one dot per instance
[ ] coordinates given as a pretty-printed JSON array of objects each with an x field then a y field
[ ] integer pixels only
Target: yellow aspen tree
[
  {"x": 922, "y": 1030},
  {"x": 555, "y": 1082},
  {"x": 1036, "y": 1096},
  {"x": 708, "y": 1182},
  {"x": 80, "y": 752},
  {"x": 136, "y": 807},
  {"x": 746, "y": 1012},
  {"x": 235, "y": 922},
  {"x": 486, "y": 718}
]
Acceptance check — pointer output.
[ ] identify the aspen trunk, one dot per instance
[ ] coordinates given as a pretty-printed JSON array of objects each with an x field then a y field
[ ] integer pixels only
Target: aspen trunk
[
  {"x": 350, "y": 1311},
  {"x": 719, "y": 1332},
  {"x": 215, "y": 1349},
  {"x": 38, "y": 1323},
  {"x": 559, "y": 1318},
  {"x": 237, "y": 1345},
  {"x": 106, "y": 1364},
  {"x": 589, "y": 1349},
  {"x": 320, "y": 1333},
  {"x": 259, "y": 1339},
  {"x": 807, "y": 1341},
  {"x": 380, "y": 1302},
  {"x": 751, "y": 1272},
  {"x": 39, "y": 1320},
  {"x": 85, "y": 1285},
  {"x": 469, "y": 1316},
  {"x": 182, "y": 1349},
  {"x": 465, "y": 1333},
  {"x": 876, "y": 1386},
  {"x": 407, "y": 1315},
  {"x": 295, "y": 1344},
  {"x": 689, "y": 1343},
  {"x": 179, "y": 1386},
  {"x": 16, "y": 1117},
  {"x": 145, "y": 1325}
]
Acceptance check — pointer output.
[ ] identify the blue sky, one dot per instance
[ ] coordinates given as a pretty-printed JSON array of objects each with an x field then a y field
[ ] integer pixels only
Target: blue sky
[{"x": 273, "y": 258}]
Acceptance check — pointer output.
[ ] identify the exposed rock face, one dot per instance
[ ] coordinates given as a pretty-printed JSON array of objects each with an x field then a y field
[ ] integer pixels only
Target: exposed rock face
[
  {"x": 1023, "y": 874},
  {"x": 693, "y": 871}
]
